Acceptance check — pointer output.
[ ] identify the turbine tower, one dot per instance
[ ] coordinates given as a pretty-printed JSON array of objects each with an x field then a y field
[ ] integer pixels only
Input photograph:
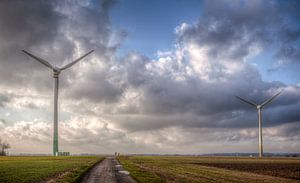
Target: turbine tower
[
  {"x": 56, "y": 72},
  {"x": 259, "y": 109}
]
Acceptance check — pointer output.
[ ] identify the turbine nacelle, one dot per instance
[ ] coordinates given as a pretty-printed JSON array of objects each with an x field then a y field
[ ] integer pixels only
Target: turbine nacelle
[
  {"x": 56, "y": 69},
  {"x": 56, "y": 72},
  {"x": 258, "y": 107}
]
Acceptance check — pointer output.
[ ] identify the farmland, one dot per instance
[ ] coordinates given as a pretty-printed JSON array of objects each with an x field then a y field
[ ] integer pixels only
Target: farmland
[
  {"x": 39, "y": 169},
  {"x": 212, "y": 169}
]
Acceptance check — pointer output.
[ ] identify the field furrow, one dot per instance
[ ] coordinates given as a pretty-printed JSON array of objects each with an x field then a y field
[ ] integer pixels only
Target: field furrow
[{"x": 212, "y": 169}]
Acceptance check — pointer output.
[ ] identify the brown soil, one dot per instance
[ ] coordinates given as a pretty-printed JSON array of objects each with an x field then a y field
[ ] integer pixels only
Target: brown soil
[{"x": 283, "y": 170}]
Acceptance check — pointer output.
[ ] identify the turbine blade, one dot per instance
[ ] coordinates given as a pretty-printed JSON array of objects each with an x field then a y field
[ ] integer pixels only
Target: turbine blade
[
  {"x": 271, "y": 99},
  {"x": 75, "y": 61},
  {"x": 246, "y": 101},
  {"x": 47, "y": 64}
]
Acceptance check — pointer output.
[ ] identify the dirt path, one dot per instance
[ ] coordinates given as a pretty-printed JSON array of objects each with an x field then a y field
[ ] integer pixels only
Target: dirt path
[{"x": 108, "y": 171}]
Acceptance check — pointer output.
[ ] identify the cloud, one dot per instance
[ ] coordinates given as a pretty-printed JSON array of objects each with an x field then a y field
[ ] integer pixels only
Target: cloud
[
  {"x": 135, "y": 104},
  {"x": 235, "y": 30},
  {"x": 3, "y": 100},
  {"x": 99, "y": 136},
  {"x": 2, "y": 123}
]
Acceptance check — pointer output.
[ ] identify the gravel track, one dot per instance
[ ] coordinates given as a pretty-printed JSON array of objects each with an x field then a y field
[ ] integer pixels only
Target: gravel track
[{"x": 107, "y": 171}]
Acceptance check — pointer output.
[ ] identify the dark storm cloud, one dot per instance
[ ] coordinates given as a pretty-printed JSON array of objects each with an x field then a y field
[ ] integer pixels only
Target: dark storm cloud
[
  {"x": 163, "y": 94},
  {"x": 53, "y": 30},
  {"x": 135, "y": 67},
  {"x": 96, "y": 87},
  {"x": 31, "y": 25},
  {"x": 233, "y": 28},
  {"x": 90, "y": 26}
]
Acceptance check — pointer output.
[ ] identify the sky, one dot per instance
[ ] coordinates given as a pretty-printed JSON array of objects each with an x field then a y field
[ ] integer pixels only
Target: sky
[{"x": 162, "y": 79}]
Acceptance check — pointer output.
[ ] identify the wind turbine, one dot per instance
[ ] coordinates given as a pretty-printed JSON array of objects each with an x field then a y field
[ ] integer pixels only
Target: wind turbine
[
  {"x": 259, "y": 109},
  {"x": 56, "y": 72}
]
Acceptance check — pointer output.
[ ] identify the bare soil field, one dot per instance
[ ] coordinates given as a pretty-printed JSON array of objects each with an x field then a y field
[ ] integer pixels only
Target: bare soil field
[
  {"x": 282, "y": 169},
  {"x": 212, "y": 169}
]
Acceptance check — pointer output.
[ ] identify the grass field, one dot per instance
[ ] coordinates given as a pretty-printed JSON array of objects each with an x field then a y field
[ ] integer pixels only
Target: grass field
[
  {"x": 39, "y": 169},
  {"x": 212, "y": 169}
]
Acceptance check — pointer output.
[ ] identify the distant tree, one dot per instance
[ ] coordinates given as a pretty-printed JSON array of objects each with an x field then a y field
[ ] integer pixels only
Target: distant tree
[{"x": 3, "y": 147}]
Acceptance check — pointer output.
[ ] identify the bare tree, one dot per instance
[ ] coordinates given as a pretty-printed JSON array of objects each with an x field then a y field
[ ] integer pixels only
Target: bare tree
[{"x": 3, "y": 147}]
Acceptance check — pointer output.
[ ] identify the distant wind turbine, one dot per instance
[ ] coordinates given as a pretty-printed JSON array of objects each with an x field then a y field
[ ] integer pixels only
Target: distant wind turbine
[
  {"x": 259, "y": 109},
  {"x": 56, "y": 72}
]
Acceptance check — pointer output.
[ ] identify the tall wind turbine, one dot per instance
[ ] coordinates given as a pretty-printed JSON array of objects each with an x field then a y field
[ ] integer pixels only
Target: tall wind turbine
[
  {"x": 259, "y": 109},
  {"x": 56, "y": 72}
]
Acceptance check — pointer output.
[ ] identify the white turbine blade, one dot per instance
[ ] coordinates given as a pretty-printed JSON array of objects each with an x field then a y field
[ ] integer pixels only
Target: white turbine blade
[
  {"x": 47, "y": 64},
  {"x": 246, "y": 101},
  {"x": 75, "y": 61},
  {"x": 271, "y": 99}
]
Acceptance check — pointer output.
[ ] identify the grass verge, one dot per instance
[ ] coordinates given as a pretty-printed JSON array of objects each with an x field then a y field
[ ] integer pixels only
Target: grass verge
[
  {"x": 137, "y": 173},
  {"x": 41, "y": 169}
]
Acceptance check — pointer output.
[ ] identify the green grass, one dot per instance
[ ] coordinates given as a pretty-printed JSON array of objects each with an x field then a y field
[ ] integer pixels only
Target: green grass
[
  {"x": 212, "y": 169},
  {"x": 36, "y": 169},
  {"x": 139, "y": 174}
]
